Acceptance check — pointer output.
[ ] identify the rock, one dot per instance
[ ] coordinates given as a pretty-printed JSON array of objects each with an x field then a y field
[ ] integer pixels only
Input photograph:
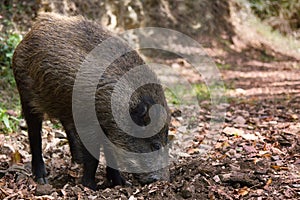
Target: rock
[
  {"x": 217, "y": 178},
  {"x": 239, "y": 120},
  {"x": 272, "y": 122},
  {"x": 182, "y": 129},
  {"x": 232, "y": 131},
  {"x": 186, "y": 192},
  {"x": 60, "y": 135},
  {"x": 43, "y": 189},
  {"x": 22, "y": 124},
  {"x": 132, "y": 198}
]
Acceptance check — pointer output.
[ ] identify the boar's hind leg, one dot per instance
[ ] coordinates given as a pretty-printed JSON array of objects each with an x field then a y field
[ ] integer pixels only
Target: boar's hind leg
[
  {"x": 74, "y": 143},
  {"x": 34, "y": 123}
]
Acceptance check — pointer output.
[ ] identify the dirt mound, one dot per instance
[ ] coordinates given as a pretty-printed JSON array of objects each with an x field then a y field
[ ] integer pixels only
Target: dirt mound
[{"x": 196, "y": 18}]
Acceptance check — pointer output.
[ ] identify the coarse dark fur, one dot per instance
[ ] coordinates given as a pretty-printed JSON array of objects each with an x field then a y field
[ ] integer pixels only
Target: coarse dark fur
[{"x": 45, "y": 64}]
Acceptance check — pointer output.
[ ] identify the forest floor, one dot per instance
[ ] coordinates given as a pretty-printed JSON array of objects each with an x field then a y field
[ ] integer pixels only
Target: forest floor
[
  {"x": 256, "y": 154},
  {"x": 256, "y": 157}
]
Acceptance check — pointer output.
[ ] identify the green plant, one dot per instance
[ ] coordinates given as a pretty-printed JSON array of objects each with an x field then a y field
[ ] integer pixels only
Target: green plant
[
  {"x": 56, "y": 125},
  {"x": 8, "y": 92},
  {"x": 7, "y": 45},
  {"x": 8, "y": 123},
  {"x": 171, "y": 97},
  {"x": 183, "y": 94},
  {"x": 224, "y": 66},
  {"x": 216, "y": 91},
  {"x": 201, "y": 92}
]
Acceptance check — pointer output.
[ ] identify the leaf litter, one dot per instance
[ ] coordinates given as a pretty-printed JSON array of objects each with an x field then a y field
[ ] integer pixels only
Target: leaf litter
[{"x": 257, "y": 155}]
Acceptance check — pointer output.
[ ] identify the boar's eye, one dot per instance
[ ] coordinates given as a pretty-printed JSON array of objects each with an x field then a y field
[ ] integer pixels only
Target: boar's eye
[
  {"x": 140, "y": 114},
  {"x": 155, "y": 146}
]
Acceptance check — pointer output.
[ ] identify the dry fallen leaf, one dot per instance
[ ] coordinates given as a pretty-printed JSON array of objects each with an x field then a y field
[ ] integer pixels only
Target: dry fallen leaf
[
  {"x": 266, "y": 187},
  {"x": 233, "y": 131},
  {"x": 277, "y": 151},
  {"x": 248, "y": 136},
  {"x": 193, "y": 151},
  {"x": 264, "y": 154},
  {"x": 175, "y": 123},
  {"x": 255, "y": 160},
  {"x": 171, "y": 137},
  {"x": 132, "y": 198},
  {"x": 153, "y": 189},
  {"x": 249, "y": 149},
  {"x": 239, "y": 120},
  {"x": 15, "y": 157},
  {"x": 294, "y": 116},
  {"x": 44, "y": 189},
  {"x": 276, "y": 167},
  {"x": 269, "y": 182},
  {"x": 244, "y": 191},
  {"x": 173, "y": 130}
]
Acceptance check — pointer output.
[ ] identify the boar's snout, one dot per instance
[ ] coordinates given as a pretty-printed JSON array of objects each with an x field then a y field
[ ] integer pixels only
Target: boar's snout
[{"x": 159, "y": 175}]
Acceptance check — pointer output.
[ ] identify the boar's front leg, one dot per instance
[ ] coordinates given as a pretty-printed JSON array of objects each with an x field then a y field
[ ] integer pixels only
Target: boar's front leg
[
  {"x": 114, "y": 177},
  {"x": 34, "y": 124},
  {"x": 90, "y": 164}
]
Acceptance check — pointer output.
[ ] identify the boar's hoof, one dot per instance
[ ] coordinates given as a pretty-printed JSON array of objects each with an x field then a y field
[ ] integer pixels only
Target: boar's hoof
[
  {"x": 114, "y": 177},
  {"x": 118, "y": 181},
  {"x": 89, "y": 183},
  {"x": 42, "y": 180}
]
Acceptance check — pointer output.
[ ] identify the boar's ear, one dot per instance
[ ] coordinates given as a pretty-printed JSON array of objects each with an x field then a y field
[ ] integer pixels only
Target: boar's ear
[{"x": 140, "y": 114}]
